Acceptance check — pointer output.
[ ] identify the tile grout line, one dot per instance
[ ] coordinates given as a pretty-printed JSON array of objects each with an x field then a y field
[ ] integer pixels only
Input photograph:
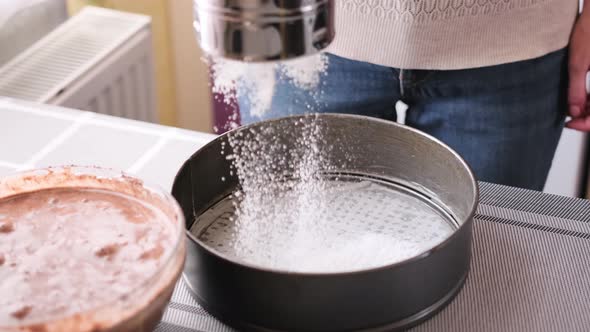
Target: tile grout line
[
  {"x": 178, "y": 135},
  {"x": 152, "y": 151},
  {"x": 57, "y": 141},
  {"x": 43, "y": 113},
  {"x": 126, "y": 127},
  {"x": 9, "y": 164},
  {"x": 199, "y": 140},
  {"x": 106, "y": 122}
]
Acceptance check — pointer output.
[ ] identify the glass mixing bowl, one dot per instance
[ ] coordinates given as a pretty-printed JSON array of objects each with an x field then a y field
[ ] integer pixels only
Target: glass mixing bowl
[{"x": 142, "y": 307}]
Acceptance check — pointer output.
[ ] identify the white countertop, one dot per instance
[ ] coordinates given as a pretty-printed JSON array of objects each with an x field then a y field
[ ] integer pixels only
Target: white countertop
[
  {"x": 34, "y": 135},
  {"x": 515, "y": 230}
]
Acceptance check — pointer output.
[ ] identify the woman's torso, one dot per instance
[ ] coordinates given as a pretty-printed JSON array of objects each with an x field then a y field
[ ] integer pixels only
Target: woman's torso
[{"x": 451, "y": 34}]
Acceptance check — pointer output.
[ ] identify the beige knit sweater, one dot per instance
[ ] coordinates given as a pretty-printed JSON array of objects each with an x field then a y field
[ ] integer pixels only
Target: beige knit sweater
[{"x": 451, "y": 34}]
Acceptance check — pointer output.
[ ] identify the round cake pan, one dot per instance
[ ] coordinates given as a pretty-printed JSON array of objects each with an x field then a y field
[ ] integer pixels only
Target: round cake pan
[{"x": 394, "y": 296}]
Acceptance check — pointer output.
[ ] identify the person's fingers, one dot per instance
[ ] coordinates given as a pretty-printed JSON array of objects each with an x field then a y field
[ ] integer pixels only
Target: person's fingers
[
  {"x": 578, "y": 65},
  {"x": 582, "y": 124},
  {"x": 577, "y": 86}
]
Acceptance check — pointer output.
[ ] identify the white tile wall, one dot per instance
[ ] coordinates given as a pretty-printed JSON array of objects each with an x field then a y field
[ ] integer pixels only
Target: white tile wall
[
  {"x": 6, "y": 170},
  {"x": 172, "y": 155},
  {"x": 22, "y": 134},
  {"x": 98, "y": 145},
  {"x": 33, "y": 135}
]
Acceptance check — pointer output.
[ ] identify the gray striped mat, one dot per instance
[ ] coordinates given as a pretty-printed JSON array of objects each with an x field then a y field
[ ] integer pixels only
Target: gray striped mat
[{"x": 530, "y": 270}]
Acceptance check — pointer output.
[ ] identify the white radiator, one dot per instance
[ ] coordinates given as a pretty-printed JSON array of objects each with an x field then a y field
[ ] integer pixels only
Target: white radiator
[{"x": 99, "y": 60}]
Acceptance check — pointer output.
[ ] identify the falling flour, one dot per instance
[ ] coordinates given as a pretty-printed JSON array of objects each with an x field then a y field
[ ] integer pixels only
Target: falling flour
[
  {"x": 257, "y": 79},
  {"x": 286, "y": 213}
]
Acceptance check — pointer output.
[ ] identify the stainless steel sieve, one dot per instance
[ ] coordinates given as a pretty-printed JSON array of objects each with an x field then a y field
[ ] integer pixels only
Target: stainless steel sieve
[
  {"x": 263, "y": 30},
  {"x": 385, "y": 298}
]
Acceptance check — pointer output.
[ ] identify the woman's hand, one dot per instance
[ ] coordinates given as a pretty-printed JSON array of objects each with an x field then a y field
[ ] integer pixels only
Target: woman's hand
[{"x": 579, "y": 64}]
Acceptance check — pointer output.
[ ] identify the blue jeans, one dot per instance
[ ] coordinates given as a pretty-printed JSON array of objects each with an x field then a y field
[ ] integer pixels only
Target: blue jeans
[{"x": 504, "y": 120}]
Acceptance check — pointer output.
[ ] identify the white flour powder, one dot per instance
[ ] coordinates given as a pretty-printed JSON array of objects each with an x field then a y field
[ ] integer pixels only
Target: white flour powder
[
  {"x": 286, "y": 215},
  {"x": 349, "y": 226},
  {"x": 258, "y": 79},
  {"x": 263, "y": 167}
]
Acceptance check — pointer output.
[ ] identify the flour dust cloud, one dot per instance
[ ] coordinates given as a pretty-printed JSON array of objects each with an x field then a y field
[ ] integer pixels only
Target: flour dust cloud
[{"x": 287, "y": 213}]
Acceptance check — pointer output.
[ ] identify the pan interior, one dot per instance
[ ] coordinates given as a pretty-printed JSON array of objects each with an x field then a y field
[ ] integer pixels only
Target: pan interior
[{"x": 356, "y": 222}]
